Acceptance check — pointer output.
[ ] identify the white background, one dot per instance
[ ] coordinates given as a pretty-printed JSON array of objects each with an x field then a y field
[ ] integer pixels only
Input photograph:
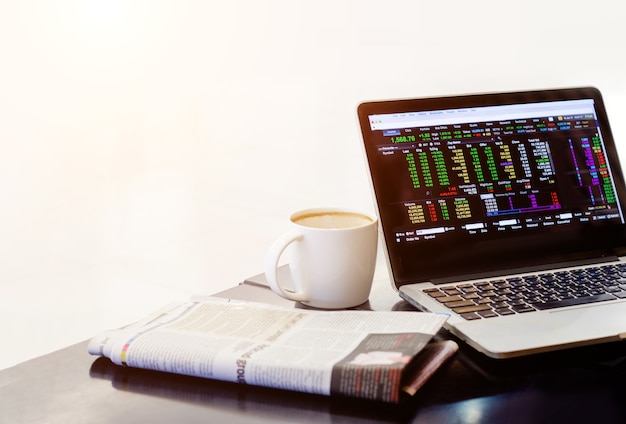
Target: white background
[{"x": 151, "y": 150}]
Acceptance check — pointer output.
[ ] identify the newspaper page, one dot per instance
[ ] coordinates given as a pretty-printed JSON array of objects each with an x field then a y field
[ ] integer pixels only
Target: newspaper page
[{"x": 353, "y": 353}]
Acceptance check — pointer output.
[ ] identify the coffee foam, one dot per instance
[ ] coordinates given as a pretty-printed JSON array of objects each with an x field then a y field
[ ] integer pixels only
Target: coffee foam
[{"x": 330, "y": 219}]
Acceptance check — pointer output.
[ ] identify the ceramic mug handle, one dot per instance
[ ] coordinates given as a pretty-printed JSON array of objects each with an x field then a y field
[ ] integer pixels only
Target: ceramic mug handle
[{"x": 271, "y": 266}]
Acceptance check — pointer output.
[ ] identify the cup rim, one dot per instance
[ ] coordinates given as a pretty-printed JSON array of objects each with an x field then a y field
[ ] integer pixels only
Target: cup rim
[{"x": 309, "y": 211}]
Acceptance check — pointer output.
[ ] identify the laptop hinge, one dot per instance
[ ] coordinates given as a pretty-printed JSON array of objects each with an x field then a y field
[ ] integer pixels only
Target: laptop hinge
[{"x": 524, "y": 270}]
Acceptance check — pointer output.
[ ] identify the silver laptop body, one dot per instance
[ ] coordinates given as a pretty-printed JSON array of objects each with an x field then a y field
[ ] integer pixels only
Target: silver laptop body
[{"x": 505, "y": 211}]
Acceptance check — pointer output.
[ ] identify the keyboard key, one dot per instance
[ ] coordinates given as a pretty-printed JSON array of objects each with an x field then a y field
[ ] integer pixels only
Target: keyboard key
[
  {"x": 487, "y": 314},
  {"x": 459, "y": 303},
  {"x": 573, "y": 302},
  {"x": 520, "y": 309},
  {"x": 448, "y": 299},
  {"x": 434, "y": 289},
  {"x": 485, "y": 287},
  {"x": 473, "y": 308},
  {"x": 470, "y": 289},
  {"x": 435, "y": 293}
]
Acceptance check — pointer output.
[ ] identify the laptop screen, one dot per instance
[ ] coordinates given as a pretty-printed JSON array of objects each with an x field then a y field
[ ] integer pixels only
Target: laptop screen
[{"x": 485, "y": 183}]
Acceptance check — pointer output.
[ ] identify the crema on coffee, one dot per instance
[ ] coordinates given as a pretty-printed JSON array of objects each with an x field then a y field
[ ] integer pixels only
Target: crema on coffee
[{"x": 331, "y": 219}]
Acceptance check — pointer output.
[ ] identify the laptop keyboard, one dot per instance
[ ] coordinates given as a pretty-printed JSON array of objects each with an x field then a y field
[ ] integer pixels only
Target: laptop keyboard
[{"x": 528, "y": 293}]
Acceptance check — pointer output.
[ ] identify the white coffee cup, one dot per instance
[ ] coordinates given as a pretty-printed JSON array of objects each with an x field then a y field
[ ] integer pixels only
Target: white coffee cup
[{"x": 332, "y": 257}]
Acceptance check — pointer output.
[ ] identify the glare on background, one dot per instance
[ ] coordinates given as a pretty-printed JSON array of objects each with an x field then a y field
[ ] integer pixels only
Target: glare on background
[
  {"x": 98, "y": 34},
  {"x": 88, "y": 58},
  {"x": 76, "y": 128}
]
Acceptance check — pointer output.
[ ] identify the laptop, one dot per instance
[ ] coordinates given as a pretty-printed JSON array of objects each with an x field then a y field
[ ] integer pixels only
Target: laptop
[{"x": 505, "y": 211}]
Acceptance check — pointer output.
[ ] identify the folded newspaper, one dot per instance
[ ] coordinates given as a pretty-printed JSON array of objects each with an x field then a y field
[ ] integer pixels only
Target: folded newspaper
[{"x": 365, "y": 354}]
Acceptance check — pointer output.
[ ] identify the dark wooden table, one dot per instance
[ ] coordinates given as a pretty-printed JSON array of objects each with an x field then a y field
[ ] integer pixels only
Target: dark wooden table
[{"x": 69, "y": 386}]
